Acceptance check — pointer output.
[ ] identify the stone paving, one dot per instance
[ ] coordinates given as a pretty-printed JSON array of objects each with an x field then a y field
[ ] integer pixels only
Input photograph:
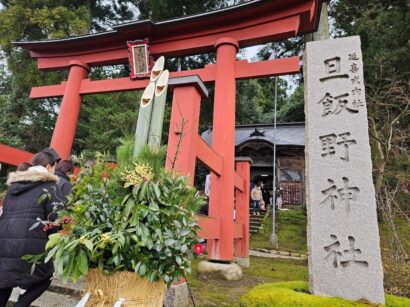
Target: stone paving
[{"x": 266, "y": 253}]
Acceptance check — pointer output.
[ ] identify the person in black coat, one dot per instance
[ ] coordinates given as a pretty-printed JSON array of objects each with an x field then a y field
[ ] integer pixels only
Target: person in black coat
[
  {"x": 64, "y": 168},
  {"x": 52, "y": 152},
  {"x": 22, "y": 207}
]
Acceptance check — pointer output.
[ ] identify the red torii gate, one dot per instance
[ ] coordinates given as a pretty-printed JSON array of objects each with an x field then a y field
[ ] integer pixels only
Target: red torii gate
[{"x": 225, "y": 30}]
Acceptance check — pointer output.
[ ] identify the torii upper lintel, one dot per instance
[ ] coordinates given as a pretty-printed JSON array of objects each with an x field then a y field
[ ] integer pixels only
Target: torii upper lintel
[{"x": 251, "y": 23}]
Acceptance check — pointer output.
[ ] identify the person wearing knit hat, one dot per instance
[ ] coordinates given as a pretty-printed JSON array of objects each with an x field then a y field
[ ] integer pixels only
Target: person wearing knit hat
[{"x": 52, "y": 152}]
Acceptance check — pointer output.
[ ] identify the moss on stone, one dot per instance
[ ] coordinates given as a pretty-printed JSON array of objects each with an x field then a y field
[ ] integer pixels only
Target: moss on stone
[
  {"x": 397, "y": 301},
  {"x": 295, "y": 293}
]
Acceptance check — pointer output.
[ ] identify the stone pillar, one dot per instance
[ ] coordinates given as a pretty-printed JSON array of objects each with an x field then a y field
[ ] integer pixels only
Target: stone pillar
[
  {"x": 221, "y": 203},
  {"x": 343, "y": 234},
  {"x": 67, "y": 119}
]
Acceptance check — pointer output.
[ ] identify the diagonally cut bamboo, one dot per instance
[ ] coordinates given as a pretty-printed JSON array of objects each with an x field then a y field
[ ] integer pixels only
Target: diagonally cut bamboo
[
  {"x": 157, "y": 69},
  {"x": 145, "y": 112},
  {"x": 157, "y": 119},
  {"x": 144, "y": 118}
]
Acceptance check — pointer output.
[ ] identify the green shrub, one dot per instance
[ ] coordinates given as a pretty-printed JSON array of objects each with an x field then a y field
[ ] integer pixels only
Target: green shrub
[
  {"x": 138, "y": 217},
  {"x": 295, "y": 293}
]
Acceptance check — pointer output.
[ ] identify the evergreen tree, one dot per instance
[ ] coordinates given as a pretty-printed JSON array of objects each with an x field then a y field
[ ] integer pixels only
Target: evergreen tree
[
  {"x": 293, "y": 109},
  {"x": 383, "y": 27},
  {"x": 29, "y": 124},
  {"x": 166, "y": 9},
  {"x": 289, "y": 108}
]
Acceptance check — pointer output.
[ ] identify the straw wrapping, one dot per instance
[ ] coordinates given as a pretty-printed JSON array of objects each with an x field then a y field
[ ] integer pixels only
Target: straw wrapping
[{"x": 128, "y": 287}]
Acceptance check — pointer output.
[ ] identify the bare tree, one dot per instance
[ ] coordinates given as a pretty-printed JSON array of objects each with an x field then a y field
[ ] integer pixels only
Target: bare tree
[
  {"x": 389, "y": 109},
  {"x": 390, "y": 210}
]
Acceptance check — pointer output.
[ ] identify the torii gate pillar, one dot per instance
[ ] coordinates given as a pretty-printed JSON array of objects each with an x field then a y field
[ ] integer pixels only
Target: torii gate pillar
[
  {"x": 221, "y": 203},
  {"x": 67, "y": 120}
]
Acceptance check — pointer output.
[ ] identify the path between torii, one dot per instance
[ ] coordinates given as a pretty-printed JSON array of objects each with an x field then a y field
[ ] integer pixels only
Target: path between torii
[{"x": 265, "y": 253}]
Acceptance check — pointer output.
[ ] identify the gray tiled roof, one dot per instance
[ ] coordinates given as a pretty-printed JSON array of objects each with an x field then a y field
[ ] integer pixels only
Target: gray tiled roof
[{"x": 286, "y": 134}]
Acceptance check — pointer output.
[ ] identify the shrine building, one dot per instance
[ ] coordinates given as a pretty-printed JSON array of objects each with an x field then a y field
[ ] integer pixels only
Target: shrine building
[{"x": 257, "y": 142}]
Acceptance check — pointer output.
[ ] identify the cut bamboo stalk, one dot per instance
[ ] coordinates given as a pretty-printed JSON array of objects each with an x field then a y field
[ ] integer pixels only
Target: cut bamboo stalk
[
  {"x": 145, "y": 112},
  {"x": 157, "y": 69},
  {"x": 146, "y": 106},
  {"x": 144, "y": 118},
  {"x": 157, "y": 119}
]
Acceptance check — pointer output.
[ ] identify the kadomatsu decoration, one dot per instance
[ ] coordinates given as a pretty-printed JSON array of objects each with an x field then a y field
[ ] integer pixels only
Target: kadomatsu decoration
[{"x": 137, "y": 220}]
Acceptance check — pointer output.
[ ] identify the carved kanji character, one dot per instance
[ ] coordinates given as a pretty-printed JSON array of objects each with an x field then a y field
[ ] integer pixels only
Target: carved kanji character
[
  {"x": 346, "y": 142},
  {"x": 353, "y": 56},
  {"x": 347, "y": 193},
  {"x": 355, "y": 80},
  {"x": 357, "y": 103},
  {"x": 342, "y": 105},
  {"x": 335, "y": 105},
  {"x": 327, "y": 102},
  {"x": 354, "y": 68},
  {"x": 333, "y": 252},
  {"x": 331, "y": 193},
  {"x": 332, "y": 69},
  {"x": 353, "y": 252},
  {"x": 356, "y": 91},
  {"x": 328, "y": 143}
]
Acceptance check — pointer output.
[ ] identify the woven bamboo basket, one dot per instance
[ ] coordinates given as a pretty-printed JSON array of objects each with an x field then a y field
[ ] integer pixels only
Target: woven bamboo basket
[{"x": 135, "y": 291}]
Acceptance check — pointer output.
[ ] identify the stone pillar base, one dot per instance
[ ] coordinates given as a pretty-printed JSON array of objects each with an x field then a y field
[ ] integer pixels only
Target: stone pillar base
[
  {"x": 217, "y": 270},
  {"x": 273, "y": 239},
  {"x": 243, "y": 262},
  {"x": 177, "y": 295}
]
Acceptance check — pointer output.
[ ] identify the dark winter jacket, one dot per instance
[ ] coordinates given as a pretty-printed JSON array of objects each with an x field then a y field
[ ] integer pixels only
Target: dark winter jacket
[
  {"x": 64, "y": 185},
  {"x": 21, "y": 208}
]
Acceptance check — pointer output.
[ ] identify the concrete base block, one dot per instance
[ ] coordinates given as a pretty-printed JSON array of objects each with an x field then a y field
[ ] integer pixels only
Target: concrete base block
[
  {"x": 177, "y": 296},
  {"x": 217, "y": 270},
  {"x": 242, "y": 262},
  {"x": 273, "y": 241}
]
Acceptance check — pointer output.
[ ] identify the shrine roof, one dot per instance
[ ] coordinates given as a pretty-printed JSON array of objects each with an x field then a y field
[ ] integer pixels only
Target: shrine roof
[
  {"x": 225, "y": 20},
  {"x": 287, "y": 134}
]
